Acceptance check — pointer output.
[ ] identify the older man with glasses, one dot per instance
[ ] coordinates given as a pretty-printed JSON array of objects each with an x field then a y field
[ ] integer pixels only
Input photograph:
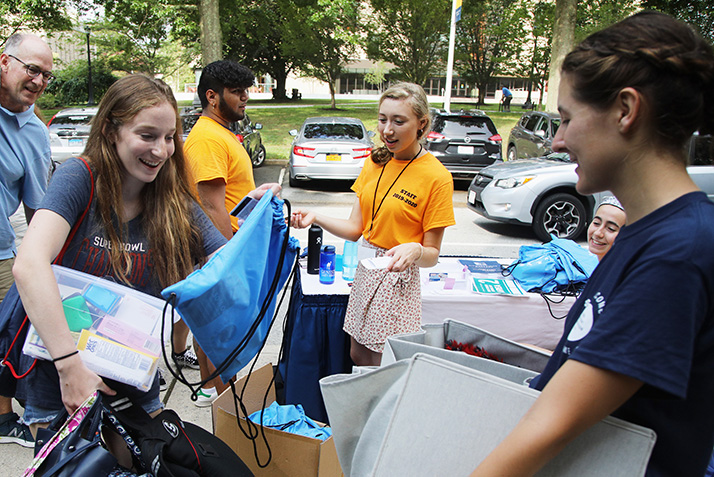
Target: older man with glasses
[{"x": 25, "y": 71}]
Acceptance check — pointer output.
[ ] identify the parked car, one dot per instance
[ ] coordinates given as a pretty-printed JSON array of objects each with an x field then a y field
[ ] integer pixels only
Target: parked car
[
  {"x": 329, "y": 148},
  {"x": 247, "y": 132},
  {"x": 540, "y": 192},
  {"x": 69, "y": 130},
  {"x": 533, "y": 134},
  {"x": 465, "y": 142}
]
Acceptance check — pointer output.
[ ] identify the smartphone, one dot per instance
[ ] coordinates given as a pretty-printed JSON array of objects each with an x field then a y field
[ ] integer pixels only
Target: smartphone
[{"x": 243, "y": 209}]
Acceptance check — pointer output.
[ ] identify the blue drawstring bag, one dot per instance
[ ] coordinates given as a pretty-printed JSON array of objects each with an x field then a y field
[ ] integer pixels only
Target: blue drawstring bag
[
  {"x": 224, "y": 302},
  {"x": 557, "y": 266}
]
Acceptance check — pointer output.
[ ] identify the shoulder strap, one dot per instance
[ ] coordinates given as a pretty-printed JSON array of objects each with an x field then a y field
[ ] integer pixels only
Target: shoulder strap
[
  {"x": 60, "y": 256},
  {"x": 21, "y": 332}
]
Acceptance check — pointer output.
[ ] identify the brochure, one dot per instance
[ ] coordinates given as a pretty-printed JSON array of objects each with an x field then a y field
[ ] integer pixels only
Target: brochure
[
  {"x": 482, "y": 266},
  {"x": 496, "y": 286}
]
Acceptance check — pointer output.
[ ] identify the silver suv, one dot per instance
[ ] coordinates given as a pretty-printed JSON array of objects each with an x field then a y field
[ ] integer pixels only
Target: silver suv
[{"x": 540, "y": 192}]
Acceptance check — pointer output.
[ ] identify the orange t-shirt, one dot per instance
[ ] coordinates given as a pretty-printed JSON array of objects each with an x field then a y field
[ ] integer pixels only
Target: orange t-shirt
[
  {"x": 215, "y": 152},
  {"x": 421, "y": 199}
]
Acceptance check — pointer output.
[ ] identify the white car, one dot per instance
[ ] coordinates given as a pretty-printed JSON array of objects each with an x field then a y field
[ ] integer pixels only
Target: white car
[
  {"x": 540, "y": 192},
  {"x": 69, "y": 130}
]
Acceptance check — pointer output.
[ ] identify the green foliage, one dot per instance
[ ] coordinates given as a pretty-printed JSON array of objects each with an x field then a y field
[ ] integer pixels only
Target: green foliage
[
  {"x": 46, "y": 101},
  {"x": 36, "y": 15},
  {"x": 377, "y": 74},
  {"x": 411, "y": 34},
  {"x": 698, "y": 13},
  {"x": 324, "y": 36},
  {"x": 256, "y": 34},
  {"x": 594, "y": 15},
  {"x": 71, "y": 85},
  {"x": 132, "y": 34}
]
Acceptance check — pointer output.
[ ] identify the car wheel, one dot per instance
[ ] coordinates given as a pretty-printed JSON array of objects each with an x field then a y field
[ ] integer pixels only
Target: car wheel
[
  {"x": 292, "y": 181},
  {"x": 562, "y": 215},
  {"x": 259, "y": 156},
  {"x": 512, "y": 153}
]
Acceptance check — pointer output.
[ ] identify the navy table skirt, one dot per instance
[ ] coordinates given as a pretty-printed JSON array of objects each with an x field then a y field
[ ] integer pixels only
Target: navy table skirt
[{"x": 315, "y": 347}]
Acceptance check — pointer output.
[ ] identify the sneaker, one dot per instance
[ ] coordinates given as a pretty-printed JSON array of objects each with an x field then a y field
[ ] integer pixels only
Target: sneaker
[
  {"x": 163, "y": 385},
  {"x": 187, "y": 359},
  {"x": 12, "y": 431},
  {"x": 205, "y": 399}
]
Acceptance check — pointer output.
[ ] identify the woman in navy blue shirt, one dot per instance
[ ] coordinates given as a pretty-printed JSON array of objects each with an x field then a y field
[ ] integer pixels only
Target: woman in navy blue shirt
[{"x": 639, "y": 341}]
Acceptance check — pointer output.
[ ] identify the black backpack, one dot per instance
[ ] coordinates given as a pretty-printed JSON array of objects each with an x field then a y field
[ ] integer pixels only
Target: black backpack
[{"x": 166, "y": 446}]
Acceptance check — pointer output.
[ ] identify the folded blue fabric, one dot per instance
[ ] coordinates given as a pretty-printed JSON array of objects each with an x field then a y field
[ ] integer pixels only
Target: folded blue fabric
[{"x": 291, "y": 418}]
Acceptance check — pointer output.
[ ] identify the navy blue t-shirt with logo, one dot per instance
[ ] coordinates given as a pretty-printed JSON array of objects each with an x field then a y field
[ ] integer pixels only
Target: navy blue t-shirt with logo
[{"x": 648, "y": 312}]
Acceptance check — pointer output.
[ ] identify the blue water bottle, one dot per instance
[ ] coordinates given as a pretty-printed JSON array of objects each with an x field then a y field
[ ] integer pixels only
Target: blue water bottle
[
  {"x": 327, "y": 264},
  {"x": 349, "y": 261}
]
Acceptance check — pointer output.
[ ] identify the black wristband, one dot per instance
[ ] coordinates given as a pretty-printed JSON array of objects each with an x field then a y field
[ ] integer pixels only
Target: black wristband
[{"x": 65, "y": 356}]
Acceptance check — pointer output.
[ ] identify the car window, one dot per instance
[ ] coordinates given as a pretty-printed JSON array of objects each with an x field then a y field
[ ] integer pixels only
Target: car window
[
  {"x": 702, "y": 151},
  {"x": 79, "y": 122},
  {"x": 333, "y": 131},
  {"x": 541, "y": 125},
  {"x": 462, "y": 125},
  {"x": 532, "y": 122},
  {"x": 554, "y": 125}
]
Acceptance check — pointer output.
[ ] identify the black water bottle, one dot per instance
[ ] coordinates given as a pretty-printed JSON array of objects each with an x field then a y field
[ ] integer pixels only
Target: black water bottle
[{"x": 314, "y": 245}]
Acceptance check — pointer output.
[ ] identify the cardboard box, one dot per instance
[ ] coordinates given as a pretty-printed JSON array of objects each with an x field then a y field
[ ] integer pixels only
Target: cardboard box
[
  {"x": 292, "y": 455},
  {"x": 117, "y": 329}
]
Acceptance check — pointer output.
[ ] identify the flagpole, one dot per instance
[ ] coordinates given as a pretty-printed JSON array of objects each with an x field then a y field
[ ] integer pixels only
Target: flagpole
[{"x": 450, "y": 61}]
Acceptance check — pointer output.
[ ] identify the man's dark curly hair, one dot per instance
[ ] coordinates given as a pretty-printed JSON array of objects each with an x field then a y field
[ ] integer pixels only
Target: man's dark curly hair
[{"x": 223, "y": 74}]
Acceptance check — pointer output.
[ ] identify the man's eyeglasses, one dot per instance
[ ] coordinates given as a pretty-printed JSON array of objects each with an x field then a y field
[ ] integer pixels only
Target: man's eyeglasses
[{"x": 33, "y": 71}]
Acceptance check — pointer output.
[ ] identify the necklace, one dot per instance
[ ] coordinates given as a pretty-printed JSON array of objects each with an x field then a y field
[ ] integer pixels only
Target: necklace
[{"x": 374, "y": 200}]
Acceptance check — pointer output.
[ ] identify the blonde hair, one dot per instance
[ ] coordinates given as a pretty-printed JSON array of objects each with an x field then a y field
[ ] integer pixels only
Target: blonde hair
[
  {"x": 167, "y": 220},
  {"x": 415, "y": 95}
]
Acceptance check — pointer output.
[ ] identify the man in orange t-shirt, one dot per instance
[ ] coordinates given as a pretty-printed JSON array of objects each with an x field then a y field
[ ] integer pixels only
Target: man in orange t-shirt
[{"x": 222, "y": 169}]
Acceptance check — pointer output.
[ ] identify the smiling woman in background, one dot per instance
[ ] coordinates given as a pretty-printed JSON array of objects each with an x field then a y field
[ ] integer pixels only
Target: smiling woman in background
[{"x": 609, "y": 219}]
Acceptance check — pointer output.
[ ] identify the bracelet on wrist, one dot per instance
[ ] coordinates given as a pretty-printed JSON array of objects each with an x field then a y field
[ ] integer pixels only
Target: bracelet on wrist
[
  {"x": 421, "y": 247},
  {"x": 68, "y": 355}
]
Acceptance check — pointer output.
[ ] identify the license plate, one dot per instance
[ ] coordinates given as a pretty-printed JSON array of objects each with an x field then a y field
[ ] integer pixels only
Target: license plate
[
  {"x": 76, "y": 142},
  {"x": 465, "y": 150},
  {"x": 334, "y": 157},
  {"x": 472, "y": 197}
]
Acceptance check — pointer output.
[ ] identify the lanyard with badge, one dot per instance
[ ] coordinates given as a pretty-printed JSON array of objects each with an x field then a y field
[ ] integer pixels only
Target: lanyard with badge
[{"x": 374, "y": 200}]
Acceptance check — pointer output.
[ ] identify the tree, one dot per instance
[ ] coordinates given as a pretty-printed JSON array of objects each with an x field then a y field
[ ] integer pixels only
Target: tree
[
  {"x": 411, "y": 34},
  {"x": 36, "y": 15},
  {"x": 488, "y": 39},
  {"x": 377, "y": 74},
  {"x": 255, "y": 34},
  {"x": 324, "y": 35},
  {"x": 131, "y": 36},
  {"x": 698, "y": 13},
  {"x": 211, "y": 36},
  {"x": 542, "y": 29},
  {"x": 563, "y": 39},
  {"x": 71, "y": 85},
  {"x": 594, "y": 15}
]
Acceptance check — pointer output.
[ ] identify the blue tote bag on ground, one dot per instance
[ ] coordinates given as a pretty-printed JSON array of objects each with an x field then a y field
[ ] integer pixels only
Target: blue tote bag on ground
[{"x": 221, "y": 301}]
